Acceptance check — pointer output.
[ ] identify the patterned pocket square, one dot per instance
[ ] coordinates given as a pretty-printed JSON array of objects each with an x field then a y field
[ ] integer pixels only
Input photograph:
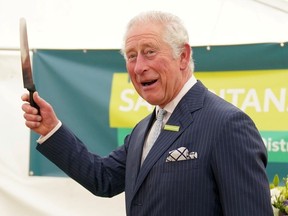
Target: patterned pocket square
[{"x": 180, "y": 154}]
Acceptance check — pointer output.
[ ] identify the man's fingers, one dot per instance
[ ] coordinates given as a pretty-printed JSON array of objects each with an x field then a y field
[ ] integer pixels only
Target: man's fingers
[
  {"x": 32, "y": 121},
  {"x": 32, "y": 117},
  {"x": 25, "y": 97},
  {"x": 37, "y": 99},
  {"x": 32, "y": 124},
  {"x": 27, "y": 108}
]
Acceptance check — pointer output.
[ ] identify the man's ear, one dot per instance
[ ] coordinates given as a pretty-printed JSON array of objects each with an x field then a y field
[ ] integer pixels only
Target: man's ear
[{"x": 185, "y": 57}]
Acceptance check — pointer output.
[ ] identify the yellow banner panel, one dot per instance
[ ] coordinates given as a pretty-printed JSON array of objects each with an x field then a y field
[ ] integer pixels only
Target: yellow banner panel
[
  {"x": 262, "y": 94},
  {"x": 127, "y": 108}
]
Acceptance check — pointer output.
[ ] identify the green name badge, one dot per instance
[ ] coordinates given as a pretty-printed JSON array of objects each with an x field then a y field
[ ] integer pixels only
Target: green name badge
[{"x": 171, "y": 128}]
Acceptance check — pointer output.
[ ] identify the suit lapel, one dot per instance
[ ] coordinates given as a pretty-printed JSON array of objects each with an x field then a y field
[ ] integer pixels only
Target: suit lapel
[
  {"x": 181, "y": 117},
  {"x": 136, "y": 149}
]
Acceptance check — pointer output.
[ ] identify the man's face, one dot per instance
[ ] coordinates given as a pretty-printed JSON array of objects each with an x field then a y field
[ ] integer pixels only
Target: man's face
[{"x": 154, "y": 72}]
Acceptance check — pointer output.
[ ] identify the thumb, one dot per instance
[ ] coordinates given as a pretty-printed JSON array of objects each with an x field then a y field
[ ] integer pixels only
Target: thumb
[
  {"x": 39, "y": 101},
  {"x": 49, "y": 119}
]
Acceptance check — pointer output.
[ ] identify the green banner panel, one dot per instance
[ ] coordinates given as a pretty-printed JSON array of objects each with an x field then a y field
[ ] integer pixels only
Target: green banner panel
[{"x": 91, "y": 93}]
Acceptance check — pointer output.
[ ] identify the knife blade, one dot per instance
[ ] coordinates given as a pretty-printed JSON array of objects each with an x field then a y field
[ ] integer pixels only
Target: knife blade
[{"x": 26, "y": 64}]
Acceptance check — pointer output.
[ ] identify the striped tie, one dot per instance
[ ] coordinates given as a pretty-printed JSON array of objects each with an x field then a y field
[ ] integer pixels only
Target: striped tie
[
  {"x": 158, "y": 125},
  {"x": 154, "y": 133}
]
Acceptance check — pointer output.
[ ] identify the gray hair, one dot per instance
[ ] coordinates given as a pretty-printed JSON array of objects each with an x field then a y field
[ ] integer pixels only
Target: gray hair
[{"x": 175, "y": 33}]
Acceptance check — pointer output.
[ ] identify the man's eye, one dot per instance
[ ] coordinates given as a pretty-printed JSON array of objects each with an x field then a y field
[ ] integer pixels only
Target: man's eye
[
  {"x": 150, "y": 52},
  {"x": 131, "y": 57}
]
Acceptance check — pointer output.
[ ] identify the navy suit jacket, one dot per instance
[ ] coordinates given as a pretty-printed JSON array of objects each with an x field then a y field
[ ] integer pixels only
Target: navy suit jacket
[{"x": 228, "y": 176}]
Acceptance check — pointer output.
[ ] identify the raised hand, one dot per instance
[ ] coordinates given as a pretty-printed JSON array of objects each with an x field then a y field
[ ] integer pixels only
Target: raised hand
[{"x": 43, "y": 122}]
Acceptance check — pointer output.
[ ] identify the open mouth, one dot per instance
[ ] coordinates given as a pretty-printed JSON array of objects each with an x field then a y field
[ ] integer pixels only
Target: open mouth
[{"x": 148, "y": 83}]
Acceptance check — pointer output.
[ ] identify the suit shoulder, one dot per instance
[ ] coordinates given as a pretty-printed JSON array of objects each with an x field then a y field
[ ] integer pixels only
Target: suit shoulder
[
  {"x": 220, "y": 103},
  {"x": 222, "y": 109}
]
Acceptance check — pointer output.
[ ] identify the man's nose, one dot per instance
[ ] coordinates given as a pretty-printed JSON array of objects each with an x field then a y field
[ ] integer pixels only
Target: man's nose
[{"x": 141, "y": 65}]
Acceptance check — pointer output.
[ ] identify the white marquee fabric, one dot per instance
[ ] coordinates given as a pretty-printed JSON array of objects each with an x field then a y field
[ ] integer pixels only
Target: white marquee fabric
[
  {"x": 70, "y": 24},
  {"x": 100, "y": 24},
  {"x": 21, "y": 194}
]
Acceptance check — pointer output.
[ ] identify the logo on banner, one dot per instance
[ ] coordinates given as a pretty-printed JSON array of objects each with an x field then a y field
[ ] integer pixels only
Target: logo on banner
[
  {"x": 263, "y": 95},
  {"x": 276, "y": 143}
]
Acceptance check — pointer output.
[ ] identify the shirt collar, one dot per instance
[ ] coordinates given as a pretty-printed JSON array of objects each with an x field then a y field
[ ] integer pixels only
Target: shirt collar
[{"x": 172, "y": 104}]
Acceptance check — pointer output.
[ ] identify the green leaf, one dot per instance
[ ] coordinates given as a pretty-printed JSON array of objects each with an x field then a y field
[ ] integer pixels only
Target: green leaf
[{"x": 276, "y": 180}]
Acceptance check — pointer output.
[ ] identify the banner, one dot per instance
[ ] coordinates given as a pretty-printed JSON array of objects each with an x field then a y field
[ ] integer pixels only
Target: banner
[{"x": 92, "y": 94}]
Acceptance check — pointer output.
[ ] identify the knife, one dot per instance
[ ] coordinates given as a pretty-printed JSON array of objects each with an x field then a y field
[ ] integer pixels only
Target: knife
[{"x": 26, "y": 64}]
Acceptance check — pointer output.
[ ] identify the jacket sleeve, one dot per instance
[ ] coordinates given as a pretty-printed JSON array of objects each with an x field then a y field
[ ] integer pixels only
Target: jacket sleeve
[
  {"x": 102, "y": 176},
  {"x": 238, "y": 162}
]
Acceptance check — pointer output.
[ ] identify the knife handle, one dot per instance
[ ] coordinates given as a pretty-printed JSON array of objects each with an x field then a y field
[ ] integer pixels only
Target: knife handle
[{"x": 32, "y": 102}]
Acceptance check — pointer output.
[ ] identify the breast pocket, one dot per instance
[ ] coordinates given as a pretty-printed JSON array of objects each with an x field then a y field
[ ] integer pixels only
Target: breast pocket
[{"x": 180, "y": 166}]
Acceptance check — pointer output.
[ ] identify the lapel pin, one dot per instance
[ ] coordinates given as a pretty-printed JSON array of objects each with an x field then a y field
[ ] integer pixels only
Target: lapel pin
[{"x": 171, "y": 128}]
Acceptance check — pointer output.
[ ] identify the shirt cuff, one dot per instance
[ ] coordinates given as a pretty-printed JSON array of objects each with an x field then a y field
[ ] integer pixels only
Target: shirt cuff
[{"x": 42, "y": 139}]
